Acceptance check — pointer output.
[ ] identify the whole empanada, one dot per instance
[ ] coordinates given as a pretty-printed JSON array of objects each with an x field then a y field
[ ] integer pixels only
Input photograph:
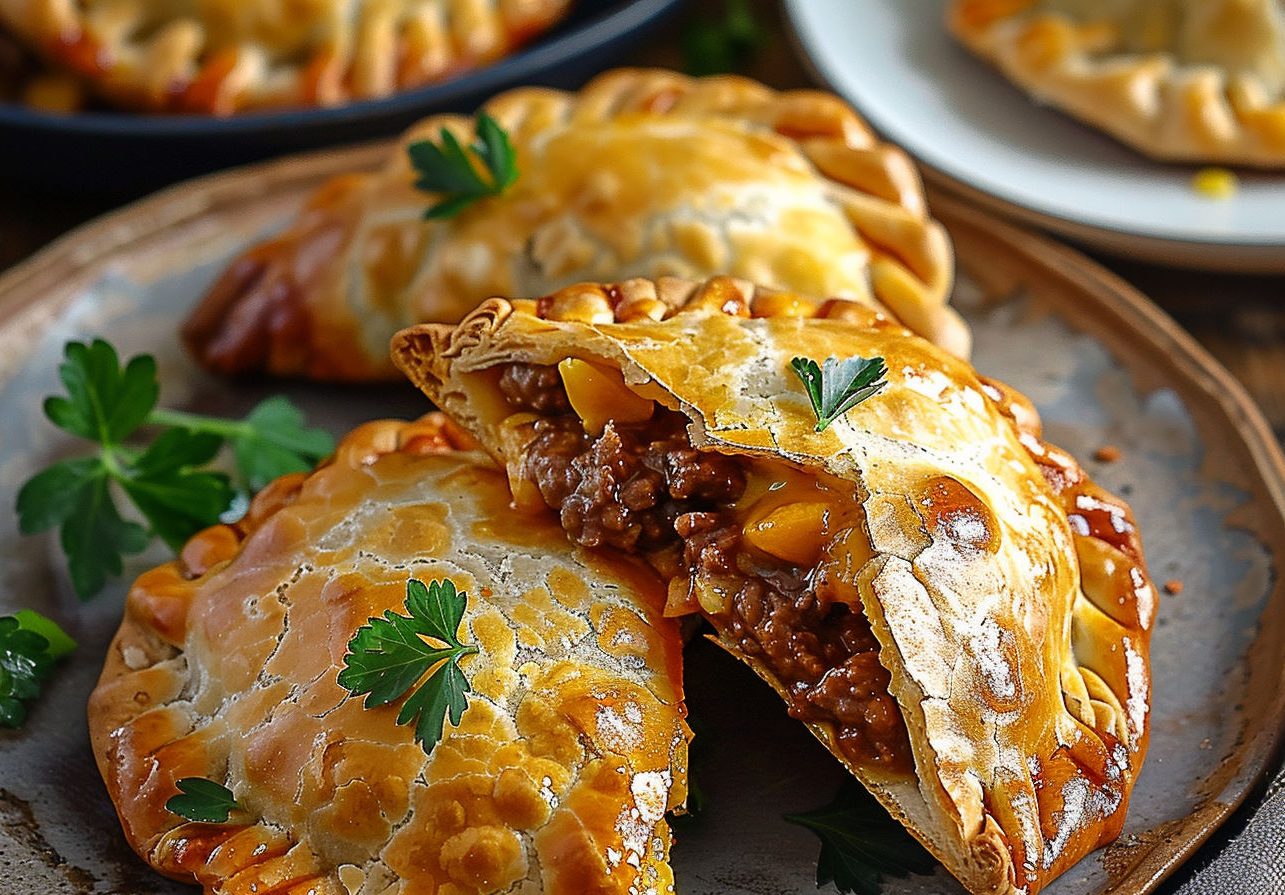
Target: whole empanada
[
  {"x": 956, "y": 611},
  {"x": 558, "y": 777},
  {"x": 1180, "y": 80},
  {"x": 224, "y": 56},
  {"x": 642, "y": 173}
]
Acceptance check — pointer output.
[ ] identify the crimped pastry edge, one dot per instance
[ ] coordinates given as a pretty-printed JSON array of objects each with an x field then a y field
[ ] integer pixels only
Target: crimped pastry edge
[{"x": 1170, "y": 112}]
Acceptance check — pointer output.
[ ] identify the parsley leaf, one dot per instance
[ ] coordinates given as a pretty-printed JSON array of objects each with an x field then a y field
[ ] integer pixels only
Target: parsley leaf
[
  {"x": 104, "y": 402},
  {"x": 96, "y": 538},
  {"x": 723, "y": 46},
  {"x": 178, "y": 499},
  {"x": 838, "y": 386},
  {"x": 861, "y": 843},
  {"x": 448, "y": 171},
  {"x": 167, "y": 482},
  {"x": 30, "y": 644},
  {"x": 203, "y": 801},
  {"x": 388, "y": 656},
  {"x": 276, "y": 443},
  {"x": 270, "y": 442}
]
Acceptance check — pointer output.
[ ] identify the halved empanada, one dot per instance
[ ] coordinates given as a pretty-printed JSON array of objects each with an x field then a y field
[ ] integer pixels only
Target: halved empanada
[
  {"x": 1181, "y": 80},
  {"x": 557, "y": 778},
  {"x": 948, "y": 602},
  {"x": 226, "y": 56},
  {"x": 642, "y": 173}
]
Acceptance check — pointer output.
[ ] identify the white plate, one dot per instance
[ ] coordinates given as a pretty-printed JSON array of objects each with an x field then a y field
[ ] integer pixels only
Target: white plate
[{"x": 976, "y": 133}]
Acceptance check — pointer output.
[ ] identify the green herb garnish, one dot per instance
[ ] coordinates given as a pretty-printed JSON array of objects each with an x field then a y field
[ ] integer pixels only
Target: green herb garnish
[
  {"x": 861, "y": 843},
  {"x": 166, "y": 481},
  {"x": 30, "y": 644},
  {"x": 388, "y": 658},
  {"x": 839, "y": 386},
  {"x": 448, "y": 171},
  {"x": 203, "y": 801},
  {"x": 715, "y": 47}
]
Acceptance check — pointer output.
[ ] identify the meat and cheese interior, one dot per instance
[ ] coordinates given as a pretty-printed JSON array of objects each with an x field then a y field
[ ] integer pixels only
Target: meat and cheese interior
[
  {"x": 764, "y": 551},
  {"x": 953, "y": 608}
]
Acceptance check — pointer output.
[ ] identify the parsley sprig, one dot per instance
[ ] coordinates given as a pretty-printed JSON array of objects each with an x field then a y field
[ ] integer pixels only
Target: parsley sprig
[
  {"x": 839, "y": 385},
  {"x": 861, "y": 843},
  {"x": 719, "y": 46},
  {"x": 30, "y": 646},
  {"x": 203, "y": 801},
  {"x": 448, "y": 171},
  {"x": 166, "y": 480},
  {"x": 388, "y": 657}
]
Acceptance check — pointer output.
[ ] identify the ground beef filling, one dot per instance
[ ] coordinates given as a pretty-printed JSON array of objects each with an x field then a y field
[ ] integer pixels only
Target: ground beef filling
[{"x": 642, "y": 488}]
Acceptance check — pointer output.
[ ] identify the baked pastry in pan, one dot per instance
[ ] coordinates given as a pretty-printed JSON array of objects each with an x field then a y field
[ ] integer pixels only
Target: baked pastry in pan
[
  {"x": 562, "y": 766},
  {"x": 225, "y": 56},
  {"x": 642, "y": 173},
  {"x": 949, "y": 602},
  {"x": 1180, "y": 80}
]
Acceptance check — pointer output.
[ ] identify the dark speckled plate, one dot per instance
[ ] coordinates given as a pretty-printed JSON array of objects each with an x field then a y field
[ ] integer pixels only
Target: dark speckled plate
[{"x": 1103, "y": 365}]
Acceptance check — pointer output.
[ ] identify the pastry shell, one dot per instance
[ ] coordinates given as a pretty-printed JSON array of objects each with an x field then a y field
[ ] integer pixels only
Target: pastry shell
[
  {"x": 559, "y": 775},
  {"x": 1016, "y": 630},
  {"x": 1151, "y": 100},
  {"x": 225, "y": 56},
  {"x": 641, "y": 173}
]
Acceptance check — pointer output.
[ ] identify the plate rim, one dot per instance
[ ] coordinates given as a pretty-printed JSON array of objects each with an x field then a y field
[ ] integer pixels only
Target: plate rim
[
  {"x": 1265, "y": 255},
  {"x": 26, "y": 284}
]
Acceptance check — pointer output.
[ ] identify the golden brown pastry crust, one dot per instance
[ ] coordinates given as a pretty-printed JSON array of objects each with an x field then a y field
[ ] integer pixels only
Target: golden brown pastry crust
[
  {"x": 558, "y": 777},
  {"x": 642, "y": 173},
  {"x": 1179, "y": 80},
  {"x": 1015, "y": 622},
  {"x": 225, "y": 56}
]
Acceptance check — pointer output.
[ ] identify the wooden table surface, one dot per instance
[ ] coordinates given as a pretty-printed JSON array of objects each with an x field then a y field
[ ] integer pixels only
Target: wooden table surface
[{"x": 1240, "y": 319}]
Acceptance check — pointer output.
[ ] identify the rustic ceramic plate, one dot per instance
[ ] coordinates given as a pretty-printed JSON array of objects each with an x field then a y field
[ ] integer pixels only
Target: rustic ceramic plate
[
  {"x": 1103, "y": 364},
  {"x": 980, "y": 135}
]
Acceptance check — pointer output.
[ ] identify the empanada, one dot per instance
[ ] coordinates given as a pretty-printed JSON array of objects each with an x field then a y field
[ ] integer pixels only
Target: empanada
[
  {"x": 558, "y": 777},
  {"x": 956, "y": 611},
  {"x": 642, "y": 173},
  {"x": 226, "y": 56},
  {"x": 1180, "y": 80}
]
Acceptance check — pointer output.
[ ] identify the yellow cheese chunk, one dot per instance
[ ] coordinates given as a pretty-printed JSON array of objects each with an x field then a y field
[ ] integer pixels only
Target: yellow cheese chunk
[
  {"x": 1215, "y": 183},
  {"x": 599, "y": 395},
  {"x": 794, "y": 532}
]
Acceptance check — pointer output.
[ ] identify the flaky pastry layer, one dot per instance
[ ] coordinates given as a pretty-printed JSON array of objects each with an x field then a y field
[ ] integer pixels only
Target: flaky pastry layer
[
  {"x": 557, "y": 780},
  {"x": 641, "y": 173}
]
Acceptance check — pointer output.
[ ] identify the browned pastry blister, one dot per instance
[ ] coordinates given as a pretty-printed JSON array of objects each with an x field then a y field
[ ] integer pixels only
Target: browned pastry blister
[
  {"x": 559, "y": 775},
  {"x": 641, "y": 173},
  {"x": 1179, "y": 80},
  {"x": 226, "y": 56},
  {"x": 949, "y": 602}
]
